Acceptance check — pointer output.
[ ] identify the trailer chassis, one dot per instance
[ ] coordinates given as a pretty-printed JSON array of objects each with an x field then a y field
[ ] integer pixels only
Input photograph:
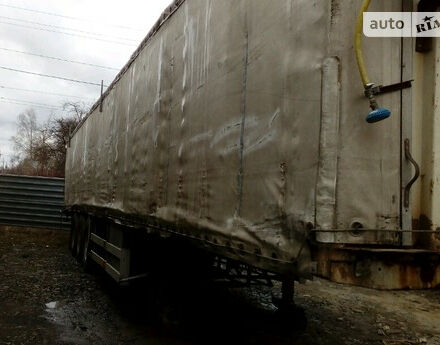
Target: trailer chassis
[{"x": 106, "y": 243}]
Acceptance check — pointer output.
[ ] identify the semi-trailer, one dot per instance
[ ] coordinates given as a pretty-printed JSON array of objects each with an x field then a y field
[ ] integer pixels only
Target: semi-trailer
[{"x": 240, "y": 128}]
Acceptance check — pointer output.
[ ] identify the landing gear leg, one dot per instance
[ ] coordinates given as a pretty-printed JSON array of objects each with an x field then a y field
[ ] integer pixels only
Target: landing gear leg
[
  {"x": 287, "y": 293},
  {"x": 292, "y": 317}
]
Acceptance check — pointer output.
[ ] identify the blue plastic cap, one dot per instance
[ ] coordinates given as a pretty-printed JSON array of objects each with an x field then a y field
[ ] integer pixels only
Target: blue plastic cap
[{"x": 378, "y": 115}]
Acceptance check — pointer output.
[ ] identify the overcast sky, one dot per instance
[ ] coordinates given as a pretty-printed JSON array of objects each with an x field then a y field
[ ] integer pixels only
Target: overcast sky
[{"x": 126, "y": 22}]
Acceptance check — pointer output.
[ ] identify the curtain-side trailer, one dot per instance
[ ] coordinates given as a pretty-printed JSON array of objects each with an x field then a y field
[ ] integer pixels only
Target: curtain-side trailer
[{"x": 238, "y": 128}]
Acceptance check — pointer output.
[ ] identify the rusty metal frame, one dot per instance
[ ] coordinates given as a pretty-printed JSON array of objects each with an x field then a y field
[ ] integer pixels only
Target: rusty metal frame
[
  {"x": 379, "y": 268},
  {"x": 239, "y": 274}
]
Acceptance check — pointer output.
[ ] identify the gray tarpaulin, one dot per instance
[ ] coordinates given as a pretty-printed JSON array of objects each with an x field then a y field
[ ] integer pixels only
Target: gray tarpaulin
[{"x": 242, "y": 122}]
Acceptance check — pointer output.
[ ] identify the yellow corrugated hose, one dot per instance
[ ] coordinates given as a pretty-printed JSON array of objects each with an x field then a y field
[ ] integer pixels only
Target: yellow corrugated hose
[
  {"x": 358, "y": 43},
  {"x": 377, "y": 114}
]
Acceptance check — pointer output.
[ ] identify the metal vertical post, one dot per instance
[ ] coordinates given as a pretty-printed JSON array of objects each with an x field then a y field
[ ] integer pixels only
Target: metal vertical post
[
  {"x": 406, "y": 129},
  {"x": 101, "y": 99}
]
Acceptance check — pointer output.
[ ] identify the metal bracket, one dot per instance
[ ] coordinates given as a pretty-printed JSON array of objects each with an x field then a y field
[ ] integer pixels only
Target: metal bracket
[
  {"x": 378, "y": 90},
  {"x": 409, "y": 157}
]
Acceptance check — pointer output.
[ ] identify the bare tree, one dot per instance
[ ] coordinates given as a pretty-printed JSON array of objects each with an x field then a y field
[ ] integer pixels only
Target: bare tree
[
  {"x": 3, "y": 163},
  {"x": 61, "y": 129},
  {"x": 75, "y": 110},
  {"x": 24, "y": 140},
  {"x": 41, "y": 148}
]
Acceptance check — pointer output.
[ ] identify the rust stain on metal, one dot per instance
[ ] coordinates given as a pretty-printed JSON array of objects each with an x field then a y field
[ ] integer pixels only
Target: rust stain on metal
[
  {"x": 335, "y": 7},
  {"x": 430, "y": 241},
  {"x": 380, "y": 268}
]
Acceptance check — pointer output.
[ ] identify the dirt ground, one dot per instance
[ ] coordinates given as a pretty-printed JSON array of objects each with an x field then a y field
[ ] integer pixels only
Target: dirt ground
[{"x": 47, "y": 298}]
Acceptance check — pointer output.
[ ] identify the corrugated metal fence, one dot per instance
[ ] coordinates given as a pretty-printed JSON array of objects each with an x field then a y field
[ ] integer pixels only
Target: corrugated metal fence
[{"x": 32, "y": 201}]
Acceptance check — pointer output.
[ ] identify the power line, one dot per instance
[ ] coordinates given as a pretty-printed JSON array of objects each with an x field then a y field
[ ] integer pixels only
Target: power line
[
  {"x": 69, "y": 34},
  {"x": 27, "y": 103},
  {"x": 64, "y": 16},
  {"x": 43, "y": 92},
  {"x": 59, "y": 59},
  {"x": 50, "y": 76},
  {"x": 66, "y": 28}
]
